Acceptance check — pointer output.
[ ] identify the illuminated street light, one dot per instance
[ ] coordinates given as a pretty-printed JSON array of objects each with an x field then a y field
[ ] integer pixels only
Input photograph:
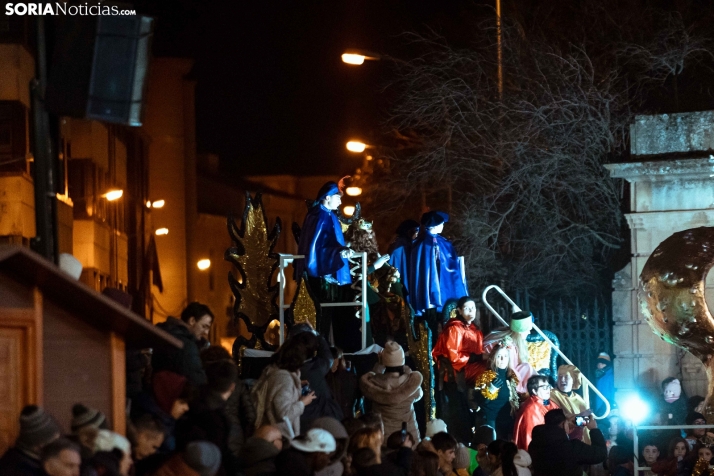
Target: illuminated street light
[
  {"x": 352, "y": 58},
  {"x": 204, "y": 264},
  {"x": 348, "y": 210},
  {"x": 148, "y": 204},
  {"x": 162, "y": 231},
  {"x": 353, "y": 191},
  {"x": 112, "y": 195},
  {"x": 356, "y": 146},
  {"x": 158, "y": 204}
]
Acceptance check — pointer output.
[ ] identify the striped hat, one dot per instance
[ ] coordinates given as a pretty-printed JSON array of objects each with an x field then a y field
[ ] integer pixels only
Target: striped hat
[
  {"x": 37, "y": 428},
  {"x": 86, "y": 417}
]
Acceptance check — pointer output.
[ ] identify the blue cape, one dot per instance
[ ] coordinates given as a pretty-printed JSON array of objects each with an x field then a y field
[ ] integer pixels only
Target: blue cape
[
  {"x": 321, "y": 242},
  {"x": 429, "y": 287},
  {"x": 399, "y": 258}
]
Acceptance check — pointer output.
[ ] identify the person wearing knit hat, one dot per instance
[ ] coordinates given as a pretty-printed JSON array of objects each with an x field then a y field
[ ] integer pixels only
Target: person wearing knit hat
[
  {"x": 167, "y": 401},
  {"x": 199, "y": 458},
  {"x": 514, "y": 339},
  {"x": 604, "y": 382},
  {"x": 697, "y": 435},
  {"x": 573, "y": 405},
  {"x": 435, "y": 273},
  {"x": 115, "y": 444},
  {"x": 435, "y": 426},
  {"x": 87, "y": 417},
  {"x": 462, "y": 462},
  {"x": 37, "y": 429},
  {"x": 393, "y": 388}
]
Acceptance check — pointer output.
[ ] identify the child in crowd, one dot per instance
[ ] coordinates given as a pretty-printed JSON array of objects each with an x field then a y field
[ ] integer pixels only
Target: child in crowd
[{"x": 674, "y": 464}]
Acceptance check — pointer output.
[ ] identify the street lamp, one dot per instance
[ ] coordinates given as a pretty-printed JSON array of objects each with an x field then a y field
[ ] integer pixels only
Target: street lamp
[
  {"x": 348, "y": 210},
  {"x": 356, "y": 146},
  {"x": 353, "y": 191},
  {"x": 204, "y": 264},
  {"x": 156, "y": 204},
  {"x": 162, "y": 231},
  {"x": 357, "y": 58},
  {"x": 115, "y": 194}
]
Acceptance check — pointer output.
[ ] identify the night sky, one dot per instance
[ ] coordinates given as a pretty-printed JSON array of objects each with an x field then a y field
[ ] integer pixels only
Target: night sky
[{"x": 273, "y": 96}]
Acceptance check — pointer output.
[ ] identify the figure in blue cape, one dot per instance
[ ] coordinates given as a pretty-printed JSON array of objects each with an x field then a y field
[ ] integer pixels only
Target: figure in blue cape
[
  {"x": 322, "y": 242},
  {"x": 401, "y": 247},
  {"x": 436, "y": 274}
]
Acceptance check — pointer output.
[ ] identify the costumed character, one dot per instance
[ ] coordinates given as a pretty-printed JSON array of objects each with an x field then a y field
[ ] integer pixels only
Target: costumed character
[
  {"x": 496, "y": 393},
  {"x": 436, "y": 273},
  {"x": 573, "y": 405},
  {"x": 604, "y": 381},
  {"x": 401, "y": 247},
  {"x": 384, "y": 290},
  {"x": 325, "y": 262},
  {"x": 461, "y": 341},
  {"x": 532, "y": 411},
  {"x": 515, "y": 339}
]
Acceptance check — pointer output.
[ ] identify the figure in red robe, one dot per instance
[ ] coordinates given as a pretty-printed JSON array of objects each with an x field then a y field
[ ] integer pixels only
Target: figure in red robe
[
  {"x": 532, "y": 411},
  {"x": 462, "y": 341}
]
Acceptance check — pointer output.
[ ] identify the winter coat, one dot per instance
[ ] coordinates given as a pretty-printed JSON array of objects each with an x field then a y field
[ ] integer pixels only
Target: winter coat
[
  {"x": 16, "y": 463},
  {"x": 143, "y": 404},
  {"x": 206, "y": 420},
  {"x": 276, "y": 395},
  {"x": 399, "y": 465},
  {"x": 292, "y": 462},
  {"x": 393, "y": 396},
  {"x": 176, "y": 466},
  {"x": 554, "y": 453},
  {"x": 572, "y": 405},
  {"x": 314, "y": 371},
  {"x": 186, "y": 361},
  {"x": 257, "y": 458},
  {"x": 522, "y": 460},
  {"x": 241, "y": 412},
  {"x": 344, "y": 386},
  {"x": 531, "y": 414}
]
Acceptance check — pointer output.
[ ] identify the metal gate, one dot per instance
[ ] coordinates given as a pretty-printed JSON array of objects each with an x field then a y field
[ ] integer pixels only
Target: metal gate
[{"x": 583, "y": 330}]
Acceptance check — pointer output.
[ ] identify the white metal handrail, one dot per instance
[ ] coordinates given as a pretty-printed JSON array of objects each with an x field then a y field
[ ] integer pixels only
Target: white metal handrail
[
  {"x": 285, "y": 259},
  {"x": 588, "y": 385}
]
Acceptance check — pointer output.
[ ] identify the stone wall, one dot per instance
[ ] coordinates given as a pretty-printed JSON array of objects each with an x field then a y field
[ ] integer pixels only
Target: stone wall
[{"x": 667, "y": 195}]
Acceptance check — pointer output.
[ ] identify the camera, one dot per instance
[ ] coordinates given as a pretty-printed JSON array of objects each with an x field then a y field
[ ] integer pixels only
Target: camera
[{"x": 581, "y": 421}]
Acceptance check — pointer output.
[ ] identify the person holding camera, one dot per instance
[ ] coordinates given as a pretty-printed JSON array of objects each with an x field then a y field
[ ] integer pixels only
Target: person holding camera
[
  {"x": 554, "y": 453},
  {"x": 393, "y": 388},
  {"x": 573, "y": 405}
]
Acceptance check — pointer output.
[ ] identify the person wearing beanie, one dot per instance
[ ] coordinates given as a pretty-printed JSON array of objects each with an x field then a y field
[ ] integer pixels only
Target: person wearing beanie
[
  {"x": 436, "y": 272},
  {"x": 462, "y": 461},
  {"x": 307, "y": 454},
  {"x": 325, "y": 264},
  {"x": 435, "y": 426},
  {"x": 37, "y": 429},
  {"x": 400, "y": 249},
  {"x": 167, "y": 400},
  {"x": 573, "y": 405},
  {"x": 113, "y": 452},
  {"x": 393, "y": 388},
  {"x": 514, "y": 339},
  {"x": 199, "y": 458},
  {"x": 604, "y": 382},
  {"x": 83, "y": 417},
  {"x": 339, "y": 433}
]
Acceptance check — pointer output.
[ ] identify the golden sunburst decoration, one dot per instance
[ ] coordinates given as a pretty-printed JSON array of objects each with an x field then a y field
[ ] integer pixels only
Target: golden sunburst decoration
[{"x": 252, "y": 255}]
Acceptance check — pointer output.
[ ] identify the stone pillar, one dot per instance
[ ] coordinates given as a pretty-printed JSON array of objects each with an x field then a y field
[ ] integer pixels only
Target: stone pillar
[{"x": 671, "y": 191}]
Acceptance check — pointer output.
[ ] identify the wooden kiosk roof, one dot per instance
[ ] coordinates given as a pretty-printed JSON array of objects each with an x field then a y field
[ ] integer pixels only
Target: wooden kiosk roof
[{"x": 92, "y": 307}]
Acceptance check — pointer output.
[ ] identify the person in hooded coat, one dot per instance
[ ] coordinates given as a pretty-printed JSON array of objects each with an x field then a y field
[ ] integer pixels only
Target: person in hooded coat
[
  {"x": 436, "y": 273},
  {"x": 393, "y": 388}
]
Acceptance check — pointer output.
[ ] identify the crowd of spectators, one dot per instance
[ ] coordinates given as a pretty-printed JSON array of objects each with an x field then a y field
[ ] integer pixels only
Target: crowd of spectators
[{"x": 309, "y": 413}]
